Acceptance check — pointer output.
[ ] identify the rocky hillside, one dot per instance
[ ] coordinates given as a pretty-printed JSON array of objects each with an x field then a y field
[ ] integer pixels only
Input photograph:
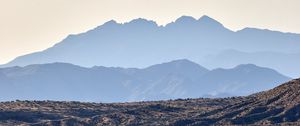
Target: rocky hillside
[{"x": 280, "y": 105}]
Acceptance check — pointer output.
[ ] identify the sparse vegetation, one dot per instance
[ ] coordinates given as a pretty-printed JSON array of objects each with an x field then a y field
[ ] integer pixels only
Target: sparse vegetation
[{"x": 277, "y": 106}]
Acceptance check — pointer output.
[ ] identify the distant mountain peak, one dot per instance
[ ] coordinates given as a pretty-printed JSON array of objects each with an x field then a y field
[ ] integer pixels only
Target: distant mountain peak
[
  {"x": 254, "y": 68},
  {"x": 207, "y": 18},
  {"x": 182, "y": 64},
  {"x": 204, "y": 23},
  {"x": 108, "y": 24},
  {"x": 249, "y": 67},
  {"x": 184, "y": 19},
  {"x": 257, "y": 30},
  {"x": 246, "y": 66},
  {"x": 209, "y": 21},
  {"x": 111, "y": 22},
  {"x": 141, "y": 22}
]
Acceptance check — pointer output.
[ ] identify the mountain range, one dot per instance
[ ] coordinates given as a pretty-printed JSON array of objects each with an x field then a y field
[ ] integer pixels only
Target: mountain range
[
  {"x": 141, "y": 43},
  {"x": 170, "y": 80}
]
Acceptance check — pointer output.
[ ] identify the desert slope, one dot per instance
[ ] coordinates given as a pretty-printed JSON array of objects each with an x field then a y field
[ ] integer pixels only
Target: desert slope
[{"x": 276, "y": 106}]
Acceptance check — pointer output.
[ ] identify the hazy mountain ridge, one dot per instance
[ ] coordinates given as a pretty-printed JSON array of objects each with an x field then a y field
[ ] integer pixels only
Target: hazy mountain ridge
[
  {"x": 175, "y": 79},
  {"x": 140, "y": 43},
  {"x": 283, "y": 62},
  {"x": 245, "y": 79},
  {"x": 278, "y": 106}
]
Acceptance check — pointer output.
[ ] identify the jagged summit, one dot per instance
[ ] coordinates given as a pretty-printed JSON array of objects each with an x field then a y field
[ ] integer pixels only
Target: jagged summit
[
  {"x": 181, "y": 20},
  {"x": 203, "y": 23},
  {"x": 111, "y": 22},
  {"x": 108, "y": 24},
  {"x": 141, "y": 22}
]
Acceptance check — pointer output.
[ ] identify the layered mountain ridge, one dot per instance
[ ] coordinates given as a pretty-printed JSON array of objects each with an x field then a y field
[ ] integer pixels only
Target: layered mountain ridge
[
  {"x": 141, "y": 43},
  {"x": 170, "y": 80}
]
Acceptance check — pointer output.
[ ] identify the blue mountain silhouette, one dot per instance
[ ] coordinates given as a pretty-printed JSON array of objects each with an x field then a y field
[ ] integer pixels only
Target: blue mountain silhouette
[
  {"x": 175, "y": 79},
  {"x": 140, "y": 43}
]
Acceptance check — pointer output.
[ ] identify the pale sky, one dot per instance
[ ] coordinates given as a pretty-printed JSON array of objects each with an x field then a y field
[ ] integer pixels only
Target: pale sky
[{"x": 33, "y": 25}]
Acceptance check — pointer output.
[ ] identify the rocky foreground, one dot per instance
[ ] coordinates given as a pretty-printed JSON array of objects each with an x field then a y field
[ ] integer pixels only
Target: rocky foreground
[{"x": 279, "y": 106}]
